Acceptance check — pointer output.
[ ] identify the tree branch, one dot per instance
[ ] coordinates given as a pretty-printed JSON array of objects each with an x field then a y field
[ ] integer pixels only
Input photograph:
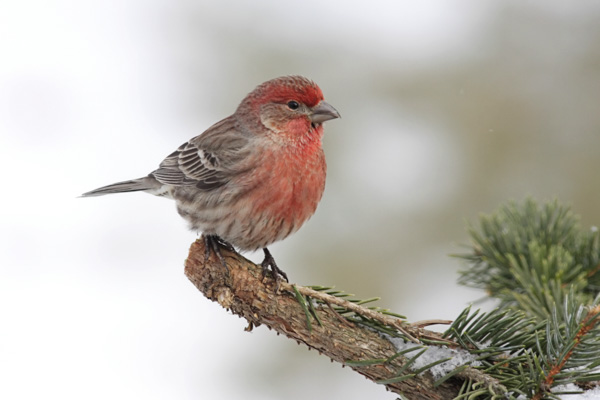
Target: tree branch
[{"x": 244, "y": 292}]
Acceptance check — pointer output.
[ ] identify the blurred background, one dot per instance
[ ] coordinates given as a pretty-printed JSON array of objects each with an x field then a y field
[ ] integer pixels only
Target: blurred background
[{"x": 450, "y": 108}]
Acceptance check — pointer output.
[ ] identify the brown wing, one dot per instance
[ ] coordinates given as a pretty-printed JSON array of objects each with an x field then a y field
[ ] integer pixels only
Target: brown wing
[{"x": 207, "y": 161}]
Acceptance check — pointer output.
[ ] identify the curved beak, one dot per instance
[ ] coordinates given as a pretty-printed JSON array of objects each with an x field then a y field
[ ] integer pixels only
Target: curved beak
[{"x": 323, "y": 112}]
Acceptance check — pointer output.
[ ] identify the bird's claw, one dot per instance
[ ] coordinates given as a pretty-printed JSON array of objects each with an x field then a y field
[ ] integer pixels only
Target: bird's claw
[
  {"x": 269, "y": 265},
  {"x": 213, "y": 243}
]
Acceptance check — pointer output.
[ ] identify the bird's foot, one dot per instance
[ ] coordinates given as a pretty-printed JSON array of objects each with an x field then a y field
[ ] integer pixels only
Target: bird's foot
[
  {"x": 213, "y": 243},
  {"x": 270, "y": 264}
]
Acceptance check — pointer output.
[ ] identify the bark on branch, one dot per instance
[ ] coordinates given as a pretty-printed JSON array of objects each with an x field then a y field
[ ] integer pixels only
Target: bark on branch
[{"x": 243, "y": 291}]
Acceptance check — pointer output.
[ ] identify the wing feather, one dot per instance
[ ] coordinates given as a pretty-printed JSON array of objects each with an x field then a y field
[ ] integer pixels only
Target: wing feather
[{"x": 207, "y": 161}]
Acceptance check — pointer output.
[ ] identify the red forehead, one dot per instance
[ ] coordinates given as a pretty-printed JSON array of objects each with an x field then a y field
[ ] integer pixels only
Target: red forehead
[{"x": 288, "y": 88}]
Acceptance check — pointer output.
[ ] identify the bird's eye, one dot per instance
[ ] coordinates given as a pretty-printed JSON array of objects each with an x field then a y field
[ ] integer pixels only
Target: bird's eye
[{"x": 293, "y": 105}]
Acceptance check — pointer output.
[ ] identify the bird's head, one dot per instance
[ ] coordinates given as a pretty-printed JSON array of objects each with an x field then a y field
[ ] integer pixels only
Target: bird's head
[{"x": 290, "y": 107}]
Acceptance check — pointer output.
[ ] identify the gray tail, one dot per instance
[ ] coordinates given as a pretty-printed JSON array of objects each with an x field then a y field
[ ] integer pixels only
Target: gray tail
[{"x": 134, "y": 185}]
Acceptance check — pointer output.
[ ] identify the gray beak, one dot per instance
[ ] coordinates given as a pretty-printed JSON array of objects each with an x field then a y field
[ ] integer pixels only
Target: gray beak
[{"x": 323, "y": 112}]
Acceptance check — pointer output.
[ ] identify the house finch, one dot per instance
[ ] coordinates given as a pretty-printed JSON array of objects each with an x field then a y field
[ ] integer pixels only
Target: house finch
[{"x": 253, "y": 178}]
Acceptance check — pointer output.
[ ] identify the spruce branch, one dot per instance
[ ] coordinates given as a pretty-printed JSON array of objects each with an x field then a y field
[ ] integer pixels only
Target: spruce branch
[
  {"x": 410, "y": 331},
  {"x": 543, "y": 268},
  {"x": 528, "y": 256},
  {"x": 363, "y": 339},
  {"x": 569, "y": 353}
]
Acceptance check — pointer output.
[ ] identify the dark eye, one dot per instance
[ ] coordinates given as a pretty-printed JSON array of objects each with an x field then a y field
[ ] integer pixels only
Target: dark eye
[{"x": 293, "y": 105}]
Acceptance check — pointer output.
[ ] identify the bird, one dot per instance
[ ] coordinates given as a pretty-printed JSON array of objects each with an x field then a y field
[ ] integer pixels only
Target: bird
[{"x": 254, "y": 177}]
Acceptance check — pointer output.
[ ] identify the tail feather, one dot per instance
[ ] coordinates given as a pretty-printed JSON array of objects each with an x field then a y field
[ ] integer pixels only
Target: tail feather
[{"x": 133, "y": 185}]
